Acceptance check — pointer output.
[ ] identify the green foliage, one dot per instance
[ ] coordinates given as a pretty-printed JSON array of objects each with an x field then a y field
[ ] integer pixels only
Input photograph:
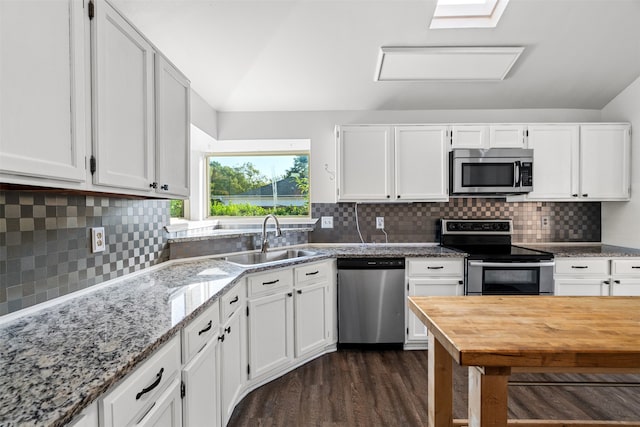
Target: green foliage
[
  {"x": 177, "y": 209},
  {"x": 246, "y": 209},
  {"x": 227, "y": 180}
]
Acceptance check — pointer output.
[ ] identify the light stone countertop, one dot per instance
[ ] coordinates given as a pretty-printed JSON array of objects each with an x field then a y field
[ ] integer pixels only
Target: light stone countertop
[
  {"x": 580, "y": 250},
  {"x": 55, "y": 361}
]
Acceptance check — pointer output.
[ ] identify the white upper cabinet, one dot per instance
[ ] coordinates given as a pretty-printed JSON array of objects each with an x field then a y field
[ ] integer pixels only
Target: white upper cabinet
[
  {"x": 507, "y": 136},
  {"x": 364, "y": 163},
  {"x": 384, "y": 163},
  {"x": 421, "y": 163},
  {"x": 484, "y": 136},
  {"x": 469, "y": 136},
  {"x": 43, "y": 130},
  {"x": 172, "y": 129},
  {"x": 123, "y": 103},
  {"x": 580, "y": 162},
  {"x": 555, "y": 161},
  {"x": 605, "y": 161}
]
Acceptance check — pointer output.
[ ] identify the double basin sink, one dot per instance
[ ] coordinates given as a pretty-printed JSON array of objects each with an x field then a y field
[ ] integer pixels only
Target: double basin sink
[{"x": 257, "y": 258}]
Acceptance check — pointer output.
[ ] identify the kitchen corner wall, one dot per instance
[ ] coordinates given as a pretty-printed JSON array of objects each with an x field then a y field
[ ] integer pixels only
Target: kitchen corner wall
[
  {"x": 45, "y": 248},
  {"x": 418, "y": 222}
]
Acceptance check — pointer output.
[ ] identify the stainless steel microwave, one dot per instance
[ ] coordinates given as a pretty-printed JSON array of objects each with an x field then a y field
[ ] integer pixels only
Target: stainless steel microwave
[{"x": 496, "y": 171}]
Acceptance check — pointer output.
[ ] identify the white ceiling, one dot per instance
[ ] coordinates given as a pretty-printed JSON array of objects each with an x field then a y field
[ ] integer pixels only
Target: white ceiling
[{"x": 310, "y": 55}]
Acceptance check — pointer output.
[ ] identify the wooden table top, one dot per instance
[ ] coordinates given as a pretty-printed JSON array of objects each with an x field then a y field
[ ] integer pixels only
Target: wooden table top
[{"x": 535, "y": 331}]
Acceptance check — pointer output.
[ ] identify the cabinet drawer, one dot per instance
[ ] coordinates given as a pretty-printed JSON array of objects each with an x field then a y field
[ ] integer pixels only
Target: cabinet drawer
[
  {"x": 199, "y": 331},
  {"x": 626, "y": 267},
  {"x": 266, "y": 282},
  {"x": 435, "y": 267},
  {"x": 129, "y": 399},
  {"x": 231, "y": 301},
  {"x": 582, "y": 266},
  {"x": 312, "y": 273}
]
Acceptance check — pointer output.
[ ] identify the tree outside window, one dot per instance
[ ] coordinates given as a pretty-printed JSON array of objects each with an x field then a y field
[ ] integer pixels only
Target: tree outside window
[{"x": 257, "y": 185}]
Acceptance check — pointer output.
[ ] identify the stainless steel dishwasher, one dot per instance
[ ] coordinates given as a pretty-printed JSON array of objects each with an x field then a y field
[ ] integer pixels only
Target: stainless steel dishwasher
[{"x": 371, "y": 300}]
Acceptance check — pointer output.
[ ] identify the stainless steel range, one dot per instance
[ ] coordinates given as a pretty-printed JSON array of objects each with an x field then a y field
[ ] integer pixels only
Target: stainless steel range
[{"x": 494, "y": 265}]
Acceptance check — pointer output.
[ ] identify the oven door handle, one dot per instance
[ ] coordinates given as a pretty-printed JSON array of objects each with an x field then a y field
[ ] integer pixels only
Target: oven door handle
[{"x": 511, "y": 264}]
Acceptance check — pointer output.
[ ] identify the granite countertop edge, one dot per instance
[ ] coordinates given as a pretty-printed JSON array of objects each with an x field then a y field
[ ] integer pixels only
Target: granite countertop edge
[{"x": 146, "y": 292}]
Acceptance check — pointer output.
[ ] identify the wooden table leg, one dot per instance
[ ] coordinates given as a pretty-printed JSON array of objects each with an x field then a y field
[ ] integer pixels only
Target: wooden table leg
[
  {"x": 488, "y": 396},
  {"x": 440, "y": 389}
]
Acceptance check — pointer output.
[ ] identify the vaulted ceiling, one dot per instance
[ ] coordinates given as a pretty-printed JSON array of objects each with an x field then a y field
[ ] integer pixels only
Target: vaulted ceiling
[{"x": 310, "y": 55}]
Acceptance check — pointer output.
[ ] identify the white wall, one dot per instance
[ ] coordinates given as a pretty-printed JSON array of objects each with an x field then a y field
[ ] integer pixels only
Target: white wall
[
  {"x": 319, "y": 128},
  {"x": 620, "y": 221},
  {"x": 203, "y": 116}
]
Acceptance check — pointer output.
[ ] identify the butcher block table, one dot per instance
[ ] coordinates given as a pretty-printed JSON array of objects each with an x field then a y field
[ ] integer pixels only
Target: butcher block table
[{"x": 498, "y": 335}]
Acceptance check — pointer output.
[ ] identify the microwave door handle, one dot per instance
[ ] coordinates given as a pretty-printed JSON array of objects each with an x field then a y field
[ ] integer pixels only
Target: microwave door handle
[{"x": 516, "y": 173}]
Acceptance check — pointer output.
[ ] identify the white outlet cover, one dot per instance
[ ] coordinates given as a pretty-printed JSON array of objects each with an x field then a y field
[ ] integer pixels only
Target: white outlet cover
[
  {"x": 98, "y": 239},
  {"x": 380, "y": 222},
  {"x": 326, "y": 222}
]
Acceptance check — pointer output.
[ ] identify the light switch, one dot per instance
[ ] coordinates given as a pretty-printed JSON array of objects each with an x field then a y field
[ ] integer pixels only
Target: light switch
[{"x": 98, "y": 238}]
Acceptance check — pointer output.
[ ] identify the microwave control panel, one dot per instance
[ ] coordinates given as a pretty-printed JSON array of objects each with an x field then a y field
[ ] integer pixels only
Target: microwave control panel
[{"x": 526, "y": 174}]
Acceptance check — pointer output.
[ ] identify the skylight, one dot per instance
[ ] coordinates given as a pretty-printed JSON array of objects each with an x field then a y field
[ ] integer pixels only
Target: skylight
[{"x": 468, "y": 13}]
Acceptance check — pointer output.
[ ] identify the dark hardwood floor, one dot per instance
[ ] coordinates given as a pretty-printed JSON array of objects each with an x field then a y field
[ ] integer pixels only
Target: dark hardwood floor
[{"x": 389, "y": 388}]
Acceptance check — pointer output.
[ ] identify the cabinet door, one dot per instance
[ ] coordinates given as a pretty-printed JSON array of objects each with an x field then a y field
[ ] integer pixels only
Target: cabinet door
[
  {"x": 270, "y": 333},
  {"x": 555, "y": 161},
  {"x": 233, "y": 363},
  {"x": 605, "y": 159},
  {"x": 364, "y": 163},
  {"x": 172, "y": 129},
  {"x": 167, "y": 411},
  {"x": 42, "y": 82},
  {"x": 506, "y": 136},
  {"x": 123, "y": 95},
  {"x": 581, "y": 287},
  {"x": 429, "y": 287},
  {"x": 421, "y": 163},
  {"x": 625, "y": 287},
  {"x": 310, "y": 314},
  {"x": 202, "y": 398},
  {"x": 469, "y": 136}
]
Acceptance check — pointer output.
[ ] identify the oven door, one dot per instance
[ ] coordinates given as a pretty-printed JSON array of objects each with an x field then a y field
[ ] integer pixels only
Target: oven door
[{"x": 509, "y": 278}]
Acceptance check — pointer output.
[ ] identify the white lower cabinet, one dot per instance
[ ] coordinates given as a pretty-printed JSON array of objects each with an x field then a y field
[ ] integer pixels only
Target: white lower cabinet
[
  {"x": 148, "y": 395},
  {"x": 87, "y": 418},
  {"x": 270, "y": 332},
  {"x": 598, "y": 276},
  {"x": 311, "y": 330},
  {"x": 201, "y": 392},
  {"x": 167, "y": 412},
  {"x": 233, "y": 353},
  {"x": 430, "y": 277}
]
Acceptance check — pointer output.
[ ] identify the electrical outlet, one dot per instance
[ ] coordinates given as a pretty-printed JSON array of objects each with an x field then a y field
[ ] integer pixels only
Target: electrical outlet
[
  {"x": 380, "y": 222},
  {"x": 326, "y": 222},
  {"x": 544, "y": 222},
  {"x": 98, "y": 243}
]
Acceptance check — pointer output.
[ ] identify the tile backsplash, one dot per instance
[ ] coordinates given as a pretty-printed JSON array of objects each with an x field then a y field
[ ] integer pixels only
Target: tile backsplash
[
  {"x": 418, "y": 222},
  {"x": 45, "y": 237},
  {"x": 45, "y": 248}
]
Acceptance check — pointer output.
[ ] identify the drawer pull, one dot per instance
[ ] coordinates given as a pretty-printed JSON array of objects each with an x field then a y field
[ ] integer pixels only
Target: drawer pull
[
  {"x": 440, "y": 267},
  {"x": 271, "y": 282},
  {"x": 208, "y": 328},
  {"x": 152, "y": 386},
  {"x": 235, "y": 300},
  {"x": 617, "y": 282},
  {"x": 290, "y": 294},
  {"x": 312, "y": 273},
  {"x": 299, "y": 291},
  {"x": 228, "y": 329},
  {"x": 635, "y": 266},
  {"x": 579, "y": 266},
  {"x": 221, "y": 338}
]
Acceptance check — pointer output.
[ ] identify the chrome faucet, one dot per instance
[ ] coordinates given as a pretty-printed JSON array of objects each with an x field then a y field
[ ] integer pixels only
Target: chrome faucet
[{"x": 265, "y": 243}]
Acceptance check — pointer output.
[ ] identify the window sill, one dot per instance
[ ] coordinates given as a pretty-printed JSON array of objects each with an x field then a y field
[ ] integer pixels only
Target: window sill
[{"x": 181, "y": 230}]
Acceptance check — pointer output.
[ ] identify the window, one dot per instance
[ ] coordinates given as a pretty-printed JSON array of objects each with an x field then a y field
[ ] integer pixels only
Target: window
[
  {"x": 468, "y": 13},
  {"x": 250, "y": 184}
]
